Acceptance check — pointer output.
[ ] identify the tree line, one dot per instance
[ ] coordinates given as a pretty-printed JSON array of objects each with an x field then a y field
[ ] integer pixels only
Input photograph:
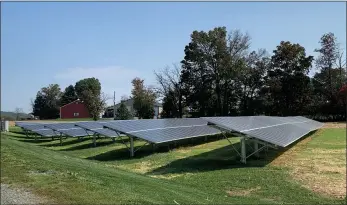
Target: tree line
[
  {"x": 49, "y": 99},
  {"x": 221, "y": 76}
]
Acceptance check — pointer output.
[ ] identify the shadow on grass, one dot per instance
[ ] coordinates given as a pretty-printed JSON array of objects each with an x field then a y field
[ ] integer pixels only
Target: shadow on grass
[
  {"x": 124, "y": 153},
  {"x": 18, "y": 132},
  {"x": 222, "y": 158},
  {"x": 88, "y": 145},
  {"x": 66, "y": 141},
  {"x": 38, "y": 141},
  {"x": 31, "y": 138}
]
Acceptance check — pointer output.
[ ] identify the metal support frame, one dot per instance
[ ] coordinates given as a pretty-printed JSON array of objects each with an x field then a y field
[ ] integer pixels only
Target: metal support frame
[
  {"x": 94, "y": 139},
  {"x": 61, "y": 139},
  {"x": 243, "y": 150},
  {"x": 255, "y": 146},
  {"x": 131, "y": 146},
  {"x": 243, "y": 143},
  {"x": 26, "y": 133}
]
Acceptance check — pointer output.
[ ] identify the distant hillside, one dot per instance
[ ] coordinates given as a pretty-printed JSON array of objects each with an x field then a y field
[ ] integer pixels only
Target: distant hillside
[{"x": 12, "y": 115}]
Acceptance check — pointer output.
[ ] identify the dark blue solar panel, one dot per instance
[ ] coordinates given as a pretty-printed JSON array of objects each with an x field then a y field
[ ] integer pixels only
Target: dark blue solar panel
[
  {"x": 280, "y": 131},
  {"x": 46, "y": 132},
  {"x": 33, "y": 126},
  {"x": 127, "y": 126},
  {"x": 76, "y": 132},
  {"x": 163, "y": 130},
  {"x": 60, "y": 126}
]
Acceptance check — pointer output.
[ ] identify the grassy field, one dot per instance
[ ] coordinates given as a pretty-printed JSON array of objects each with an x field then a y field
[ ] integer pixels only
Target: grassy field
[{"x": 195, "y": 172}]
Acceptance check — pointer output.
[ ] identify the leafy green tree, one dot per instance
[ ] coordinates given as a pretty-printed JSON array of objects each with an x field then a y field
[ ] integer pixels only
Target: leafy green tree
[
  {"x": 329, "y": 79},
  {"x": 144, "y": 99},
  {"x": 47, "y": 102},
  {"x": 69, "y": 95},
  {"x": 252, "y": 81},
  {"x": 328, "y": 54},
  {"x": 91, "y": 84},
  {"x": 95, "y": 103},
  {"x": 210, "y": 70},
  {"x": 288, "y": 86},
  {"x": 89, "y": 91},
  {"x": 122, "y": 112}
]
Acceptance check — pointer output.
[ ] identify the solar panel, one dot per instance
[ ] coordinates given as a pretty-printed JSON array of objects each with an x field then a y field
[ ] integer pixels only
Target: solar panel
[
  {"x": 33, "y": 126},
  {"x": 21, "y": 123},
  {"x": 46, "y": 132},
  {"x": 127, "y": 126},
  {"x": 76, "y": 132},
  {"x": 280, "y": 131},
  {"x": 173, "y": 134},
  {"x": 163, "y": 130},
  {"x": 98, "y": 128},
  {"x": 107, "y": 132},
  {"x": 60, "y": 126},
  {"x": 91, "y": 125}
]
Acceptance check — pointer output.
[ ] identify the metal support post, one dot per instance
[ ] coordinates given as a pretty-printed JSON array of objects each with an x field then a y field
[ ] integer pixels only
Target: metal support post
[
  {"x": 61, "y": 140},
  {"x": 256, "y": 148},
  {"x": 243, "y": 150},
  {"x": 131, "y": 146},
  {"x": 94, "y": 140}
]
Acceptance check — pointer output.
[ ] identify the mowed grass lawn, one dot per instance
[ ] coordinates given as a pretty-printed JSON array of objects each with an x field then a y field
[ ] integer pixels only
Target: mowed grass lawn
[{"x": 192, "y": 172}]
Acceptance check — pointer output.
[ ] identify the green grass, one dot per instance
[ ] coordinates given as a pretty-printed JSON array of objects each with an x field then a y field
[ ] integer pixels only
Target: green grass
[{"x": 192, "y": 172}]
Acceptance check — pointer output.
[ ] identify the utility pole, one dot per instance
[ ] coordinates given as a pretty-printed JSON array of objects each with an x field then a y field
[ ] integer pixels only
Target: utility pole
[{"x": 114, "y": 105}]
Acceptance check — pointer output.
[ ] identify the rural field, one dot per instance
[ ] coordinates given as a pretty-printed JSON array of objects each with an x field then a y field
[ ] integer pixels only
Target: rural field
[{"x": 312, "y": 171}]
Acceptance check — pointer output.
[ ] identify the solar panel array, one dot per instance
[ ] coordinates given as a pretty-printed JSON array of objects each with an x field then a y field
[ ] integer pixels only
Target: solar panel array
[
  {"x": 281, "y": 131},
  {"x": 163, "y": 130},
  {"x": 38, "y": 128}
]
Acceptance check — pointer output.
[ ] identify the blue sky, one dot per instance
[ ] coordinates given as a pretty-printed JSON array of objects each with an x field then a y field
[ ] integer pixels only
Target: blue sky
[{"x": 63, "y": 42}]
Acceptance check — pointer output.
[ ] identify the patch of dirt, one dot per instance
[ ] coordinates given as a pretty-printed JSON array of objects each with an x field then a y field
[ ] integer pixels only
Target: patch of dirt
[
  {"x": 320, "y": 170},
  {"x": 334, "y": 125},
  {"x": 141, "y": 167},
  {"x": 183, "y": 150},
  {"x": 328, "y": 151},
  {"x": 168, "y": 176},
  {"x": 244, "y": 192},
  {"x": 12, "y": 195}
]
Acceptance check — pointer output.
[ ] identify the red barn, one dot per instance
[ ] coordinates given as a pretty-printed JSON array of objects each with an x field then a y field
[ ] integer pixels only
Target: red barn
[{"x": 75, "y": 109}]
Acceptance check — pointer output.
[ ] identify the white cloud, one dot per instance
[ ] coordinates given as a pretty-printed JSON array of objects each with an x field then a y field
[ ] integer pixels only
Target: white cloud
[{"x": 112, "y": 78}]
